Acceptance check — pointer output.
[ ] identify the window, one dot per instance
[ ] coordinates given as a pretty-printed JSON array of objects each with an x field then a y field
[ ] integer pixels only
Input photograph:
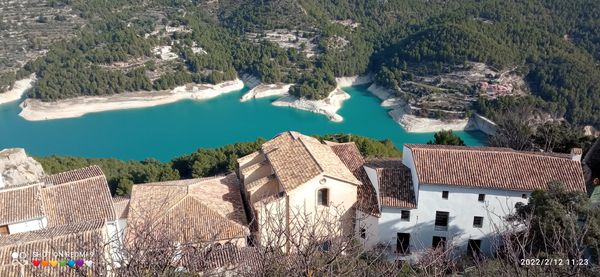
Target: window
[
  {"x": 323, "y": 197},
  {"x": 405, "y": 216},
  {"x": 477, "y": 222},
  {"x": 325, "y": 246},
  {"x": 524, "y": 196},
  {"x": 441, "y": 221},
  {"x": 445, "y": 194},
  {"x": 481, "y": 197},
  {"x": 403, "y": 243},
  {"x": 363, "y": 233},
  {"x": 4, "y": 230},
  {"x": 438, "y": 242},
  {"x": 474, "y": 248}
]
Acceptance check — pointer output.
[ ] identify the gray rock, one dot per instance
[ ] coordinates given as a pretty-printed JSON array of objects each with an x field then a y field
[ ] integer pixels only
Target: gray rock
[{"x": 16, "y": 168}]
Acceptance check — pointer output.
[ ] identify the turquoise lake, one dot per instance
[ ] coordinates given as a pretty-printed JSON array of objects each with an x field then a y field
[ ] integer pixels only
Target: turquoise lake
[{"x": 167, "y": 131}]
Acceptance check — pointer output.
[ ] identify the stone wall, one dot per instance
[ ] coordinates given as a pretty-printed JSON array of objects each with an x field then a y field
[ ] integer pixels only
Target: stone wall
[{"x": 483, "y": 124}]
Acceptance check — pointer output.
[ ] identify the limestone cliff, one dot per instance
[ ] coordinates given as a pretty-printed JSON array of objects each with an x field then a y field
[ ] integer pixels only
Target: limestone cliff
[{"x": 16, "y": 168}]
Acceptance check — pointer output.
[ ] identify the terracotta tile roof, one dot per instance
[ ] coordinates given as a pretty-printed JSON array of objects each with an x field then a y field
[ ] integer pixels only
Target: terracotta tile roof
[
  {"x": 385, "y": 163},
  {"x": 74, "y": 175},
  {"x": 396, "y": 188},
  {"x": 88, "y": 198},
  {"x": 260, "y": 182},
  {"x": 195, "y": 209},
  {"x": 64, "y": 198},
  {"x": 121, "y": 205},
  {"x": 296, "y": 159},
  {"x": 497, "y": 168},
  {"x": 354, "y": 161},
  {"x": 230, "y": 257},
  {"x": 81, "y": 237},
  {"x": 20, "y": 204}
]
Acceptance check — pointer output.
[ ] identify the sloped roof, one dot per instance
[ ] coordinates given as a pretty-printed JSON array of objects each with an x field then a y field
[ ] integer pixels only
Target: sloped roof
[
  {"x": 64, "y": 198},
  {"x": 196, "y": 209},
  {"x": 121, "y": 204},
  {"x": 296, "y": 159},
  {"x": 497, "y": 168},
  {"x": 76, "y": 196},
  {"x": 239, "y": 259},
  {"x": 354, "y": 161},
  {"x": 80, "y": 237},
  {"x": 89, "y": 172},
  {"x": 20, "y": 204},
  {"x": 396, "y": 188}
]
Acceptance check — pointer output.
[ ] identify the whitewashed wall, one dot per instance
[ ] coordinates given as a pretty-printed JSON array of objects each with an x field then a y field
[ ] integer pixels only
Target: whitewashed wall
[
  {"x": 371, "y": 226},
  {"x": 28, "y": 226},
  {"x": 342, "y": 195},
  {"x": 463, "y": 206}
]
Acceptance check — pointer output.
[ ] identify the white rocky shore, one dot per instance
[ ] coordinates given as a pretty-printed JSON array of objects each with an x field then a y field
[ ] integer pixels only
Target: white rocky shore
[
  {"x": 35, "y": 110},
  {"x": 410, "y": 123},
  {"x": 328, "y": 106},
  {"x": 17, "y": 91}
]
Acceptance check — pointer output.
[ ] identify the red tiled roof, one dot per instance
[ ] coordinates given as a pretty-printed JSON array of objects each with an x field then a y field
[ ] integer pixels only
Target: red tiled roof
[
  {"x": 121, "y": 205},
  {"x": 76, "y": 196},
  {"x": 86, "y": 237},
  {"x": 64, "y": 198},
  {"x": 351, "y": 157},
  {"x": 497, "y": 168},
  {"x": 396, "y": 188},
  {"x": 296, "y": 159},
  {"x": 229, "y": 257},
  {"x": 20, "y": 204},
  {"x": 74, "y": 175},
  {"x": 198, "y": 209}
]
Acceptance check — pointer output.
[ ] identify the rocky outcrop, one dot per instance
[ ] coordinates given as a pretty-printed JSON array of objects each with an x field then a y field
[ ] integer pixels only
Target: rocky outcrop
[{"x": 16, "y": 168}]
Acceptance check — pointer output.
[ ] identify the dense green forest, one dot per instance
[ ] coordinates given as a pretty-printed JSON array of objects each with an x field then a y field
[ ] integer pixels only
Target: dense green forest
[
  {"x": 554, "y": 43},
  {"x": 122, "y": 175}
]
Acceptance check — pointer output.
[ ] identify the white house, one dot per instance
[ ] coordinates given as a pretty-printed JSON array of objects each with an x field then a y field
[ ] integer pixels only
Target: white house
[
  {"x": 44, "y": 204},
  {"x": 442, "y": 194},
  {"x": 292, "y": 180}
]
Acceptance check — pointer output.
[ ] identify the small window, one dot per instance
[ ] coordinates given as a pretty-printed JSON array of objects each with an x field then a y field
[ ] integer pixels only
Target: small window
[
  {"x": 405, "y": 216},
  {"x": 445, "y": 194},
  {"x": 4, "y": 230},
  {"x": 363, "y": 233},
  {"x": 477, "y": 222},
  {"x": 323, "y": 197},
  {"x": 524, "y": 196},
  {"x": 325, "y": 246},
  {"x": 481, "y": 197},
  {"x": 438, "y": 242},
  {"x": 441, "y": 221}
]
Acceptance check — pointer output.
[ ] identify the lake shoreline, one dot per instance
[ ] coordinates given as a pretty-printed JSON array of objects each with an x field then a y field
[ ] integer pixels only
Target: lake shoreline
[
  {"x": 36, "y": 110},
  {"x": 18, "y": 90}
]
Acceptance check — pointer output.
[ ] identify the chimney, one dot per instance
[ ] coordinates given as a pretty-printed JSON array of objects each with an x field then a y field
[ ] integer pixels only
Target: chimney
[{"x": 576, "y": 154}]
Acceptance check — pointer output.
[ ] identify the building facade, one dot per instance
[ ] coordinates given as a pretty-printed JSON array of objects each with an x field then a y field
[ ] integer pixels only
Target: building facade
[{"x": 461, "y": 195}]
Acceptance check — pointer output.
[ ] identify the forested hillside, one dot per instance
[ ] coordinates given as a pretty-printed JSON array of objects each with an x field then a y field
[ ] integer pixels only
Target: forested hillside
[
  {"x": 158, "y": 44},
  {"x": 122, "y": 175}
]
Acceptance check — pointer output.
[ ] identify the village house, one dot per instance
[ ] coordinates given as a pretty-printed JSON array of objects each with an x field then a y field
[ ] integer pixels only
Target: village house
[
  {"x": 433, "y": 196},
  {"x": 69, "y": 212},
  {"x": 205, "y": 210},
  {"x": 453, "y": 195},
  {"x": 291, "y": 181}
]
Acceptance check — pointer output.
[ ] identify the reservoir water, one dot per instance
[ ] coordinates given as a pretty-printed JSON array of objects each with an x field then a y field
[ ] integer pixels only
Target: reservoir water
[{"x": 167, "y": 131}]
